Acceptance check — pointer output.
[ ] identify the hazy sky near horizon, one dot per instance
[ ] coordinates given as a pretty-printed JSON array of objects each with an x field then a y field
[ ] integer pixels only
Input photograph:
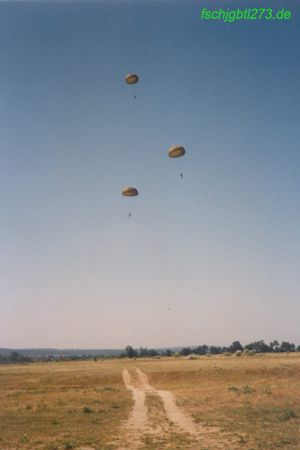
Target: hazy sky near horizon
[{"x": 209, "y": 258}]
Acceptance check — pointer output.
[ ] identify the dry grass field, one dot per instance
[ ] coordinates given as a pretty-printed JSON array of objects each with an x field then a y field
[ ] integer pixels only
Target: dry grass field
[{"x": 219, "y": 402}]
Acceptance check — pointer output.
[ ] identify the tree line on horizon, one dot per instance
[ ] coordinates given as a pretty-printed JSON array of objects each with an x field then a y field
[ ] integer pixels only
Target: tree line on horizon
[
  {"x": 16, "y": 357},
  {"x": 236, "y": 346}
]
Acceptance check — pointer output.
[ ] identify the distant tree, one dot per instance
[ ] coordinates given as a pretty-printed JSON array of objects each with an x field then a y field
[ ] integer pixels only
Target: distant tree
[
  {"x": 144, "y": 352},
  {"x": 185, "y": 351},
  {"x": 130, "y": 352},
  {"x": 258, "y": 347},
  {"x": 298, "y": 348},
  {"x": 214, "y": 350},
  {"x": 201, "y": 350},
  {"x": 274, "y": 345},
  {"x": 4, "y": 359},
  {"x": 286, "y": 347},
  {"x": 15, "y": 357},
  {"x": 235, "y": 346},
  {"x": 168, "y": 352}
]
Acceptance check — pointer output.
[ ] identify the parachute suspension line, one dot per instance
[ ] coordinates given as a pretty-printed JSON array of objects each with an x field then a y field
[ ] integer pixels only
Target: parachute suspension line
[
  {"x": 132, "y": 78},
  {"x": 176, "y": 151},
  {"x": 130, "y": 191}
]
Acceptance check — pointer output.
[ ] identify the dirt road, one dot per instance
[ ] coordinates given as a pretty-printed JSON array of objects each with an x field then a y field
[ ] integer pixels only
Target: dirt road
[{"x": 156, "y": 421}]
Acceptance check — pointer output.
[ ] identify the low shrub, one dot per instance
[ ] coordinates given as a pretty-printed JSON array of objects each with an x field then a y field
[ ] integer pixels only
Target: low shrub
[
  {"x": 287, "y": 415},
  {"x": 247, "y": 390},
  {"x": 234, "y": 389},
  {"x": 87, "y": 410}
]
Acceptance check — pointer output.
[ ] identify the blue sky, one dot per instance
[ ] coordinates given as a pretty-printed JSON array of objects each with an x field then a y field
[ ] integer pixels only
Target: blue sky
[{"x": 209, "y": 258}]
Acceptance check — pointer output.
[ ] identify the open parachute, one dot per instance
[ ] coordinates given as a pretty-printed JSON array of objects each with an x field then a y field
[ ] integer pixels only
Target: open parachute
[
  {"x": 130, "y": 191},
  {"x": 131, "y": 78},
  {"x": 176, "y": 151}
]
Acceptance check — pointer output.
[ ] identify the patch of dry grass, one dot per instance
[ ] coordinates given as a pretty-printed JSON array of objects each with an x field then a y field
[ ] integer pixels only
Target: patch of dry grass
[
  {"x": 254, "y": 401},
  {"x": 57, "y": 406}
]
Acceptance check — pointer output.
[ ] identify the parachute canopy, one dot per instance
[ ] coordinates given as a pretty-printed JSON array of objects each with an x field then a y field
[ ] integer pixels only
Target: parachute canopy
[
  {"x": 176, "y": 151},
  {"x": 130, "y": 191},
  {"x": 131, "y": 78}
]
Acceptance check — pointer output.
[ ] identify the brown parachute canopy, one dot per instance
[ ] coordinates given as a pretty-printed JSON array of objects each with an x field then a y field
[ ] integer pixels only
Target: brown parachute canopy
[
  {"x": 131, "y": 78},
  {"x": 130, "y": 191},
  {"x": 176, "y": 151}
]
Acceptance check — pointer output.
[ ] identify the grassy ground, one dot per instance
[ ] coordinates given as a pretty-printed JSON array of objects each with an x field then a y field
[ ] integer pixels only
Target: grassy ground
[
  {"x": 254, "y": 399},
  {"x": 73, "y": 405},
  {"x": 61, "y": 405}
]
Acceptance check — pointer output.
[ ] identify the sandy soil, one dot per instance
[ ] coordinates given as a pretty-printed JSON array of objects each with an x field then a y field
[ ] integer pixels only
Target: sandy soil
[
  {"x": 138, "y": 418},
  {"x": 172, "y": 419},
  {"x": 173, "y": 412}
]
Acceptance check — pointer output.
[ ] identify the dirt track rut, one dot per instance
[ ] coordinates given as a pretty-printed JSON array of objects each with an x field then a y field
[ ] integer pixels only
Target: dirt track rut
[{"x": 169, "y": 420}]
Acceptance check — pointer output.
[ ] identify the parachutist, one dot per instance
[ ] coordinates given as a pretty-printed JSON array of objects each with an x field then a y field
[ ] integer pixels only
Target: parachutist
[
  {"x": 181, "y": 175},
  {"x": 134, "y": 96},
  {"x": 129, "y": 215}
]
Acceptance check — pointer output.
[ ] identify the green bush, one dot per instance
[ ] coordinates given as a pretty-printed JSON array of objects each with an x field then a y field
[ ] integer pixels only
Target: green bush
[
  {"x": 68, "y": 445},
  {"x": 287, "y": 415},
  {"x": 247, "y": 390},
  {"x": 247, "y": 352},
  {"x": 234, "y": 389},
  {"x": 87, "y": 410}
]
